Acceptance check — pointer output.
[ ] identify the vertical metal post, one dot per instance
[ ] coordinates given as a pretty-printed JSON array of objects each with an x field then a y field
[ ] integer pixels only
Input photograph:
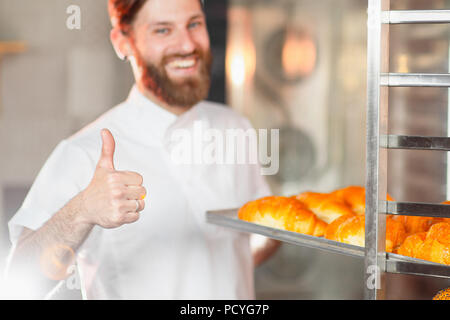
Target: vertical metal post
[
  {"x": 448, "y": 132},
  {"x": 376, "y": 157}
]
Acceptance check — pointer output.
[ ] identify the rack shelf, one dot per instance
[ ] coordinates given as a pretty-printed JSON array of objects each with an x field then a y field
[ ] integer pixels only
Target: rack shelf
[
  {"x": 415, "y": 209},
  {"x": 415, "y": 16},
  {"x": 392, "y": 141},
  {"x": 394, "y": 263},
  {"x": 415, "y": 79}
]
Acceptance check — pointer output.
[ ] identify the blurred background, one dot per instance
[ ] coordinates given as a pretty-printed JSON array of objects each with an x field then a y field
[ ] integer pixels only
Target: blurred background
[{"x": 296, "y": 65}]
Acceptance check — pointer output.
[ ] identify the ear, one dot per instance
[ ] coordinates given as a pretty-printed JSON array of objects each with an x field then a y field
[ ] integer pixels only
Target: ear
[{"x": 120, "y": 43}]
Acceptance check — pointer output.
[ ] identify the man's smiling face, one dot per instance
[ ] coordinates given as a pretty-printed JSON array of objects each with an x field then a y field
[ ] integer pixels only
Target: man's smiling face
[{"x": 170, "y": 43}]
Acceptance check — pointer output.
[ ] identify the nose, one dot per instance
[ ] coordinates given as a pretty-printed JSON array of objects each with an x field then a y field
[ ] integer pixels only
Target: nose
[{"x": 186, "y": 43}]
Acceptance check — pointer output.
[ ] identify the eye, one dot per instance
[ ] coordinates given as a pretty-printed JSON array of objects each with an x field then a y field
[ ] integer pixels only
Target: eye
[
  {"x": 162, "y": 31},
  {"x": 194, "y": 24}
]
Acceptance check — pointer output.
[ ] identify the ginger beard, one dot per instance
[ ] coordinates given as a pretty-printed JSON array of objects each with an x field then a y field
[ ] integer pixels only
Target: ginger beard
[{"x": 182, "y": 93}]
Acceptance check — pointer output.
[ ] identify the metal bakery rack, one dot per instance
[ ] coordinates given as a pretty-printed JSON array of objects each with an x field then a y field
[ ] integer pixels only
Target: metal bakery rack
[{"x": 377, "y": 262}]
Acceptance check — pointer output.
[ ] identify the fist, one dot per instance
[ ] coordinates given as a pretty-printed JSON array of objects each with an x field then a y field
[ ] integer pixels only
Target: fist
[{"x": 113, "y": 198}]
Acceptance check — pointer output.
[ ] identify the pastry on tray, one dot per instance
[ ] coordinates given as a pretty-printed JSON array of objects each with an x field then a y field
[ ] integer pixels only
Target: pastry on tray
[
  {"x": 325, "y": 206},
  {"x": 433, "y": 245},
  {"x": 350, "y": 229},
  {"x": 444, "y": 294},
  {"x": 283, "y": 213}
]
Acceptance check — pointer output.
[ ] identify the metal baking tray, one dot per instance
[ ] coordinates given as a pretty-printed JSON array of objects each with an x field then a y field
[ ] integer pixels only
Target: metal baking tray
[{"x": 229, "y": 218}]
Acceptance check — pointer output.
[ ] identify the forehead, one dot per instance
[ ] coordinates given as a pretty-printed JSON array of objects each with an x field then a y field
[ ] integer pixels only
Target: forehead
[{"x": 168, "y": 11}]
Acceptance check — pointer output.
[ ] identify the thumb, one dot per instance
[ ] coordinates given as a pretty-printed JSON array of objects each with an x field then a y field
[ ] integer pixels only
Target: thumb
[{"x": 108, "y": 147}]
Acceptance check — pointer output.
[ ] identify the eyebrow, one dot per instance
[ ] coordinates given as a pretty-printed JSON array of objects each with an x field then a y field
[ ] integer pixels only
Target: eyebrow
[
  {"x": 196, "y": 16},
  {"x": 162, "y": 23}
]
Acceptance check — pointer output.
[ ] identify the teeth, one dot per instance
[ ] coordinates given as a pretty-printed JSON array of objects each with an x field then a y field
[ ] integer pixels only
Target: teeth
[{"x": 182, "y": 63}]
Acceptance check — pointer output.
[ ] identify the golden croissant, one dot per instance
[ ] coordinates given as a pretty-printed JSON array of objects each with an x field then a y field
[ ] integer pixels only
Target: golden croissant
[{"x": 283, "y": 213}]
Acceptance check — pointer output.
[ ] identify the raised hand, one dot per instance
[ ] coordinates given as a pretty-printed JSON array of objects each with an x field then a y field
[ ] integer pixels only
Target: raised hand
[{"x": 113, "y": 198}]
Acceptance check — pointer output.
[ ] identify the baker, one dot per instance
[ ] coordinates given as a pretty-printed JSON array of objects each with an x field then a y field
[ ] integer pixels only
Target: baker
[{"x": 111, "y": 201}]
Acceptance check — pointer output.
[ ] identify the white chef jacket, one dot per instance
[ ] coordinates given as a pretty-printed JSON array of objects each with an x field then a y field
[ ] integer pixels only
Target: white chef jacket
[{"x": 170, "y": 252}]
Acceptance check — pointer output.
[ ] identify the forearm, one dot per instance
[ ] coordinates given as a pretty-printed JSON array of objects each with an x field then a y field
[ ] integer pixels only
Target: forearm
[{"x": 45, "y": 254}]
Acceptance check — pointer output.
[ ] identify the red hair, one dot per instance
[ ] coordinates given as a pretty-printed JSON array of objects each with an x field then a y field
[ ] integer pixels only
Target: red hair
[{"x": 123, "y": 12}]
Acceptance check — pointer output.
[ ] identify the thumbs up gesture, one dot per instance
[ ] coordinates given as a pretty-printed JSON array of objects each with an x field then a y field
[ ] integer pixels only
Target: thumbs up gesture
[{"x": 113, "y": 198}]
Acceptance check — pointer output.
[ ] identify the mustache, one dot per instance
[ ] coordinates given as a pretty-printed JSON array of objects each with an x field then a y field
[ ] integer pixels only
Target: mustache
[{"x": 195, "y": 54}]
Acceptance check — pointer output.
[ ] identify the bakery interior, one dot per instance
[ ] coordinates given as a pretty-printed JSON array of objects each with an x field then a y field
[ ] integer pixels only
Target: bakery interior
[{"x": 296, "y": 65}]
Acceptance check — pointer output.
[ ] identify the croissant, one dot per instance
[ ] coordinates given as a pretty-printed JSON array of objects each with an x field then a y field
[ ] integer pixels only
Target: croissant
[
  {"x": 444, "y": 294},
  {"x": 412, "y": 245},
  {"x": 325, "y": 206},
  {"x": 433, "y": 245},
  {"x": 436, "y": 247},
  {"x": 395, "y": 234},
  {"x": 283, "y": 213},
  {"x": 416, "y": 224},
  {"x": 350, "y": 229},
  {"x": 355, "y": 198}
]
